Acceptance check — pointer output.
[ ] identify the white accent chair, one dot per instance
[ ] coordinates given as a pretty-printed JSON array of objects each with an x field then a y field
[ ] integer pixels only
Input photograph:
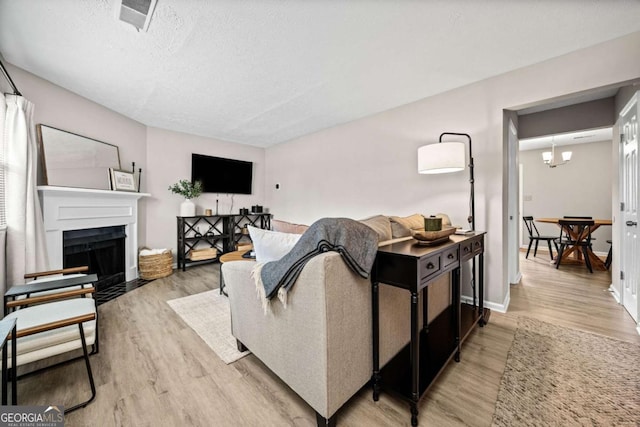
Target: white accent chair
[{"x": 54, "y": 317}]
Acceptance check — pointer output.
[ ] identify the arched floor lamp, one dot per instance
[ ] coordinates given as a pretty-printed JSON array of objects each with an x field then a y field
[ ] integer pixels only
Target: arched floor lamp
[{"x": 446, "y": 157}]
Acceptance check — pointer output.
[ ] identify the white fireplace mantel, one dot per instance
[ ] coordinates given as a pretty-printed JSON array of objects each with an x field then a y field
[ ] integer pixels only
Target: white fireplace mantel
[{"x": 66, "y": 208}]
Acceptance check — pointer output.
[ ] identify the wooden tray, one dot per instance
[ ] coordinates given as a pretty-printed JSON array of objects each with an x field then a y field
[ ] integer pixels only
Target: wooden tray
[
  {"x": 435, "y": 242},
  {"x": 430, "y": 236}
]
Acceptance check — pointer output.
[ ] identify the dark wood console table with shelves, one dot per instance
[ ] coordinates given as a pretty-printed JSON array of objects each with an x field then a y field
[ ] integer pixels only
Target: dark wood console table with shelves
[
  {"x": 223, "y": 232},
  {"x": 410, "y": 266}
]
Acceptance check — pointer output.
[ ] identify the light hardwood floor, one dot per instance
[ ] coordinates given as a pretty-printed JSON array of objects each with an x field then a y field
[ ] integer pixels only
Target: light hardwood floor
[{"x": 153, "y": 370}]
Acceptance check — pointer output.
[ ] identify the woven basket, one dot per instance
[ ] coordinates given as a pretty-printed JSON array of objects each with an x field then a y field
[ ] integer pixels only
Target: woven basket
[{"x": 155, "y": 266}]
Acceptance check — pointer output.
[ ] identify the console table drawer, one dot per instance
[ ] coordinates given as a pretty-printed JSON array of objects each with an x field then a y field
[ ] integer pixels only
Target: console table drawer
[
  {"x": 471, "y": 248},
  {"x": 449, "y": 257},
  {"x": 477, "y": 245},
  {"x": 466, "y": 250},
  {"x": 429, "y": 266}
]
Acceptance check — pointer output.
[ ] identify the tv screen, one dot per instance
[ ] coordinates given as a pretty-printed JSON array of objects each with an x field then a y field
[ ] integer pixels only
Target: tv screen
[{"x": 219, "y": 175}]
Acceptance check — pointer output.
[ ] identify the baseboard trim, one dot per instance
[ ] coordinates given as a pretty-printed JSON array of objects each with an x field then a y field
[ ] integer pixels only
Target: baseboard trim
[
  {"x": 614, "y": 293},
  {"x": 518, "y": 278},
  {"x": 545, "y": 249},
  {"x": 500, "y": 308}
]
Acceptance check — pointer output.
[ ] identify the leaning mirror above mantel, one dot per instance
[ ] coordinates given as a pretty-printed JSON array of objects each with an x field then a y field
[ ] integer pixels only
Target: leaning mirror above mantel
[{"x": 71, "y": 160}]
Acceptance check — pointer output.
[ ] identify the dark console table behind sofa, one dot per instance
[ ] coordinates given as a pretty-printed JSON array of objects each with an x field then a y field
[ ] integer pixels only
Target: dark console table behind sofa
[{"x": 412, "y": 267}]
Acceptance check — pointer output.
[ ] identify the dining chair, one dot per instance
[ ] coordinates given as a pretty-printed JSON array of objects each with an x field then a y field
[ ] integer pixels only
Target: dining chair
[
  {"x": 534, "y": 236},
  {"x": 575, "y": 233},
  {"x": 53, "y": 317},
  {"x": 609, "y": 259},
  {"x": 579, "y": 217}
]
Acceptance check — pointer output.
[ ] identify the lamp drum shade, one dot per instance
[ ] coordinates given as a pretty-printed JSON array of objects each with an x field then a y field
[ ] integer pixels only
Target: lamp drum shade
[{"x": 442, "y": 157}]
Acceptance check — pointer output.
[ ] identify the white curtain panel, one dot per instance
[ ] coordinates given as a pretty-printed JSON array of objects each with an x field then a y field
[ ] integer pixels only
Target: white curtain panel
[
  {"x": 26, "y": 249},
  {"x": 3, "y": 194},
  {"x": 3, "y": 259}
]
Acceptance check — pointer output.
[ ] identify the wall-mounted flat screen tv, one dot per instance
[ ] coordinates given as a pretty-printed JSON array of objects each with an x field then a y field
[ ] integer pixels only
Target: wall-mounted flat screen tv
[{"x": 220, "y": 175}]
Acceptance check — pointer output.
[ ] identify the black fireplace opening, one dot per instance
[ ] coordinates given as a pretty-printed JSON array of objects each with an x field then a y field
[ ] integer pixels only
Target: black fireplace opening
[{"x": 101, "y": 249}]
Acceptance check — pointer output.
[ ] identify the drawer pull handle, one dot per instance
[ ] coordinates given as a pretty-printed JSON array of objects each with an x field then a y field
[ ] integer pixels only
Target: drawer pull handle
[
  {"x": 430, "y": 266},
  {"x": 450, "y": 256},
  {"x": 466, "y": 249},
  {"x": 477, "y": 243}
]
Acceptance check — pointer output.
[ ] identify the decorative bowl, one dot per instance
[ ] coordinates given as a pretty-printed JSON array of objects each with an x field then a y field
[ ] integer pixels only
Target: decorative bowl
[{"x": 428, "y": 236}]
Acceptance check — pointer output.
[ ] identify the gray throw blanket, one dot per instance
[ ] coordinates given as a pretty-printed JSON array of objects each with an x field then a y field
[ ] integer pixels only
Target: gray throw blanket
[{"x": 355, "y": 242}]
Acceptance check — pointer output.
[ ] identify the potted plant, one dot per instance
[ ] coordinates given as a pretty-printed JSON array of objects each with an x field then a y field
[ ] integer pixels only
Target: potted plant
[{"x": 189, "y": 190}]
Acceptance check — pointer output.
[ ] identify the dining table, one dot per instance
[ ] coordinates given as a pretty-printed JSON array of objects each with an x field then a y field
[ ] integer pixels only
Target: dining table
[{"x": 573, "y": 255}]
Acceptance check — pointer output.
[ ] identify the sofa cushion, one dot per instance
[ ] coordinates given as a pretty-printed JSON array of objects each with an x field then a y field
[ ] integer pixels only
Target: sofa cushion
[
  {"x": 271, "y": 245},
  {"x": 381, "y": 225},
  {"x": 288, "y": 227},
  {"x": 404, "y": 226}
]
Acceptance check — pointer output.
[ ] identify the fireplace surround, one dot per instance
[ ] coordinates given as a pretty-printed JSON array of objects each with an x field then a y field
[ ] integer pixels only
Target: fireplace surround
[
  {"x": 101, "y": 249},
  {"x": 70, "y": 209}
]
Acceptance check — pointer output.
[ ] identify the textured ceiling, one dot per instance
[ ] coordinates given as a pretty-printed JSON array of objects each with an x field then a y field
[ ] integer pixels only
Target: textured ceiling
[{"x": 263, "y": 72}]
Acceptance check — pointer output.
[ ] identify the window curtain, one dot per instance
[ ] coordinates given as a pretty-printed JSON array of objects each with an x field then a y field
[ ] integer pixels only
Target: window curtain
[{"x": 25, "y": 249}]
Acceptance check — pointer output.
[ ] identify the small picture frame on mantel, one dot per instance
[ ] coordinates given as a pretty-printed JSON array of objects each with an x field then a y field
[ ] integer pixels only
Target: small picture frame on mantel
[{"x": 122, "y": 180}]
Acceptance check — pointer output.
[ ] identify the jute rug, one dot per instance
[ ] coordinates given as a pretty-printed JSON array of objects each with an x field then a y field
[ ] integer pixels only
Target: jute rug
[
  {"x": 208, "y": 315},
  {"x": 557, "y": 376}
]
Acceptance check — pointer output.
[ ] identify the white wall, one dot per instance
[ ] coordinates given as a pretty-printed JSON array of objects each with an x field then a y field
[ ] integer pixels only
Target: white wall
[
  {"x": 164, "y": 156},
  {"x": 169, "y": 160},
  {"x": 369, "y": 166},
  {"x": 581, "y": 187},
  {"x": 60, "y": 108}
]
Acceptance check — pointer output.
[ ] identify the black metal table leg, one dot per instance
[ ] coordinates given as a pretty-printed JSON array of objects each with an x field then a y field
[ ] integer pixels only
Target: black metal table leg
[
  {"x": 9, "y": 327},
  {"x": 425, "y": 309},
  {"x": 375, "y": 379},
  {"x": 456, "y": 292},
  {"x": 415, "y": 355},
  {"x": 482, "y": 320}
]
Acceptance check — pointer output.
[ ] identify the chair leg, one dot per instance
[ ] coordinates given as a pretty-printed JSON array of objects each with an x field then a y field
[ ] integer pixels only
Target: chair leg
[
  {"x": 585, "y": 253},
  {"x": 550, "y": 251},
  {"x": 607, "y": 262},
  {"x": 95, "y": 348},
  {"x": 535, "y": 249},
  {"x": 560, "y": 251},
  {"x": 89, "y": 373},
  {"x": 529, "y": 248}
]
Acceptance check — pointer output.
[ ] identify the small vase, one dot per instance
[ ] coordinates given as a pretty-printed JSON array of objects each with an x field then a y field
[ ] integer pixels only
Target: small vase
[{"x": 187, "y": 208}]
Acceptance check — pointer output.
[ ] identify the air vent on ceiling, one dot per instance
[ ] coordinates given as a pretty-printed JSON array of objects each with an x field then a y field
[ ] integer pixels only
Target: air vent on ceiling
[{"x": 136, "y": 12}]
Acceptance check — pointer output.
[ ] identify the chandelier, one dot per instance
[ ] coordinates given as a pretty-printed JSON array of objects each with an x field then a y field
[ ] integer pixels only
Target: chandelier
[{"x": 550, "y": 159}]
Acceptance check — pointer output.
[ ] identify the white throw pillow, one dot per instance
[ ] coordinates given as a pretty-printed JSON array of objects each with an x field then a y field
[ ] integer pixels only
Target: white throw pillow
[{"x": 271, "y": 245}]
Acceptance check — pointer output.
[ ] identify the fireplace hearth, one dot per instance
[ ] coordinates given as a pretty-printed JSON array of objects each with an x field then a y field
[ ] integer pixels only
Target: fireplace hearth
[{"x": 101, "y": 249}]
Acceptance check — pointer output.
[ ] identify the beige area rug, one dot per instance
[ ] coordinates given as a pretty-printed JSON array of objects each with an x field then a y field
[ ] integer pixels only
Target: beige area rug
[
  {"x": 208, "y": 315},
  {"x": 558, "y": 376}
]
